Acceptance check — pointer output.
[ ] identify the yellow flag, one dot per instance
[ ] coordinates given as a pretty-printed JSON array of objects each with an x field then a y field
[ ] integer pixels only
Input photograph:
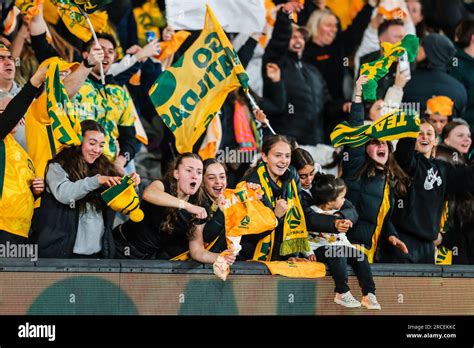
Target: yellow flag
[
  {"x": 296, "y": 269},
  {"x": 75, "y": 22},
  {"x": 191, "y": 92}
]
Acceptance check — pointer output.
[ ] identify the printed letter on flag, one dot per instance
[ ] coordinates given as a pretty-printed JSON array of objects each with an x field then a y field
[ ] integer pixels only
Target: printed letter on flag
[{"x": 191, "y": 92}]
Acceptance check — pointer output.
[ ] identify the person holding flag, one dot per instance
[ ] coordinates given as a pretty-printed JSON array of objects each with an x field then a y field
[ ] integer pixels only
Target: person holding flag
[
  {"x": 371, "y": 173},
  {"x": 48, "y": 120},
  {"x": 109, "y": 104}
]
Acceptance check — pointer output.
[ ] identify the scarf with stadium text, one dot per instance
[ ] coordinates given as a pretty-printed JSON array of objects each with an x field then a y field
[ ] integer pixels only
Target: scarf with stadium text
[
  {"x": 295, "y": 235},
  {"x": 394, "y": 125},
  {"x": 377, "y": 69}
]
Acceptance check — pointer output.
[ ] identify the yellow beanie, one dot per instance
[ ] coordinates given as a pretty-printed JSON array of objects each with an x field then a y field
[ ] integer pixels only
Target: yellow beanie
[{"x": 124, "y": 199}]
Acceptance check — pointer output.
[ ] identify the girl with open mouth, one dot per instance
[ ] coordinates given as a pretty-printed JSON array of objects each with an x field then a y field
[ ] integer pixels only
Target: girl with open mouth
[
  {"x": 215, "y": 183},
  {"x": 432, "y": 180},
  {"x": 372, "y": 176},
  {"x": 175, "y": 217}
]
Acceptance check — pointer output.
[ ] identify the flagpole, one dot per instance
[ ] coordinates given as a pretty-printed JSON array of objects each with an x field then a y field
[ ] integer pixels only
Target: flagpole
[
  {"x": 102, "y": 76},
  {"x": 254, "y": 105}
]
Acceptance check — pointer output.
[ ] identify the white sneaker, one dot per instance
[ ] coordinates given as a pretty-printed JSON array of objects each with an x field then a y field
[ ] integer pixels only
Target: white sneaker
[
  {"x": 370, "y": 302},
  {"x": 347, "y": 300}
]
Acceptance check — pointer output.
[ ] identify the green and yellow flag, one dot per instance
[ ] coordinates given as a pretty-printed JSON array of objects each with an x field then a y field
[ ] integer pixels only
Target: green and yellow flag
[
  {"x": 74, "y": 20},
  {"x": 377, "y": 69},
  {"x": 394, "y": 125},
  {"x": 189, "y": 94},
  {"x": 66, "y": 127},
  {"x": 91, "y": 6},
  {"x": 29, "y": 8}
]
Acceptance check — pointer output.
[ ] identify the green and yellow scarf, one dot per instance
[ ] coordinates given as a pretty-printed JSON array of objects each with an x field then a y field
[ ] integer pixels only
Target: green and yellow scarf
[
  {"x": 394, "y": 125},
  {"x": 295, "y": 235},
  {"x": 377, "y": 69}
]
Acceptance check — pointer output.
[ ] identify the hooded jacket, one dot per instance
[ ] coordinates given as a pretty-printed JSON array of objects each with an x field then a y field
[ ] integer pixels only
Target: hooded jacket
[
  {"x": 463, "y": 70},
  {"x": 433, "y": 78},
  {"x": 305, "y": 87}
]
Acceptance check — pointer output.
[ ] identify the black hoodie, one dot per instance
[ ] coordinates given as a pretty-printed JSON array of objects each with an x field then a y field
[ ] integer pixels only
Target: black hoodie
[{"x": 419, "y": 213}]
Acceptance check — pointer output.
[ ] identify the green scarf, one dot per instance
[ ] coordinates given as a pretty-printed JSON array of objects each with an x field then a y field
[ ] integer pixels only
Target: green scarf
[
  {"x": 377, "y": 69},
  {"x": 395, "y": 125}
]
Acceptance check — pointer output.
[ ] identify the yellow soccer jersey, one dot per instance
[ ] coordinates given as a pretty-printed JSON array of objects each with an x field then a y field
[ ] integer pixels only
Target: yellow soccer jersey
[
  {"x": 110, "y": 106},
  {"x": 16, "y": 200}
]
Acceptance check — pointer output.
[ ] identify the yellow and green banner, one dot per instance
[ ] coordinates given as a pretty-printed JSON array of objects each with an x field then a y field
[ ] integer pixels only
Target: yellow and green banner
[{"x": 189, "y": 94}]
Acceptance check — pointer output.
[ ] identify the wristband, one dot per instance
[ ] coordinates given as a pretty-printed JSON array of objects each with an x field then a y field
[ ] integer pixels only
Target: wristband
[
  {"x": 87, "y": 64},
  {"x": 181, "y": 204}
]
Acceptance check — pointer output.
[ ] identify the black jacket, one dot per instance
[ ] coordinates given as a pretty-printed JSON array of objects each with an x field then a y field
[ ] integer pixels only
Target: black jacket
[
  {"x": 331, "y": 60},
  {"x": 306, "y": 90},
  {"x": 419, "y": 213},
  {"x": 322, "y": 222},
  {"x": 215, "y": 228},
  {"x": 426, "y": 83},
  {"x": 365, "y": 193},
  {"x": 57, "y": 225},
  {"x": 16, "y": 109}
]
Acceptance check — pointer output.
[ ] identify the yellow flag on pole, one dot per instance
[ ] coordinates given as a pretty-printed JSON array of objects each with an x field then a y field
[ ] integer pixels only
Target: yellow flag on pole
[{"x": 189, "y": 94}]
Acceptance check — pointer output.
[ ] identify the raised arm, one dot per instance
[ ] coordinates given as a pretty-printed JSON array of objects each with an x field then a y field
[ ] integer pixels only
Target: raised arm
[
  {"x": 155, "y": 194},
  {"x": 17, "y": 107}
]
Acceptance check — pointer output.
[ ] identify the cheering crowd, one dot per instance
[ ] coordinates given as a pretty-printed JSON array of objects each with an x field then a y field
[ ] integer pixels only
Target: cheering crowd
[{"x": 404, "y": 201}]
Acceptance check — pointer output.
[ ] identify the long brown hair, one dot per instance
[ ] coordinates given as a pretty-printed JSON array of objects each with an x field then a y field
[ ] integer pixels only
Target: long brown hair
[
  {"x": 73, "y": 163},
  {"x": 172, "y": 213},
  {"x": 397, "y": 178}
]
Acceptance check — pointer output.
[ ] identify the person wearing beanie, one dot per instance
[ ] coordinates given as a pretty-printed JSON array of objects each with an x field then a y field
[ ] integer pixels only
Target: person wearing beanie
[
  {"x": 438, "y": 110},
  {"x": 431, "y": 78}
]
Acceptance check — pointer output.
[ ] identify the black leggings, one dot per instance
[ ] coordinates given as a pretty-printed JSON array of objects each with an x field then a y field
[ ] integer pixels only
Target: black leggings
[{"x": 337, "y": 258}]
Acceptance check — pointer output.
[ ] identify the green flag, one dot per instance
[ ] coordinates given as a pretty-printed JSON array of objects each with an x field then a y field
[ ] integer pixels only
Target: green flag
[
  {"x": 90, "y": 6},
  {"x": 377, "y": 69}
]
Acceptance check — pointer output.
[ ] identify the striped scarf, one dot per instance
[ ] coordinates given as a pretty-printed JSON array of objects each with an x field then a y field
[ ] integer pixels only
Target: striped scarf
[
  {"x": 394, "y": 125},
  {"x": 295, "y": 234}
]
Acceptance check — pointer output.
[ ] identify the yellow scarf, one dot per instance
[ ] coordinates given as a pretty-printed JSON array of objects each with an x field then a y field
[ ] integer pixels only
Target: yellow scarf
[
  {"x": 383, "y": 211},
  {"x": 295, "y": 235},
  {"x": 444, "y": 256}
]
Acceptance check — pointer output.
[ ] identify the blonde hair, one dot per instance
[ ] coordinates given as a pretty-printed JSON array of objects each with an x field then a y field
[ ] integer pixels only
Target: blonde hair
[{"x": 316, "y": 19}]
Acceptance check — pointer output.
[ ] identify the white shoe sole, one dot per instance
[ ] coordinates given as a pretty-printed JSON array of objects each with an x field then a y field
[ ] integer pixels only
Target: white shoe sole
[
  {"x": 355, "y": 305},
  {"x": 372, "y": 307}
]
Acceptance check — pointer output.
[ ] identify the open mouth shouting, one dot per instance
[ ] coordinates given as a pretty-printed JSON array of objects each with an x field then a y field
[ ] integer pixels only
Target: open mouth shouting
[{"x": 217, "y": 190}]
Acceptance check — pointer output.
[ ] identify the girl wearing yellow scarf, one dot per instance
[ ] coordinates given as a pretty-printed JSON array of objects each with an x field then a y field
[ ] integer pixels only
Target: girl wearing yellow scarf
[{"x": 280, "y": 184}]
